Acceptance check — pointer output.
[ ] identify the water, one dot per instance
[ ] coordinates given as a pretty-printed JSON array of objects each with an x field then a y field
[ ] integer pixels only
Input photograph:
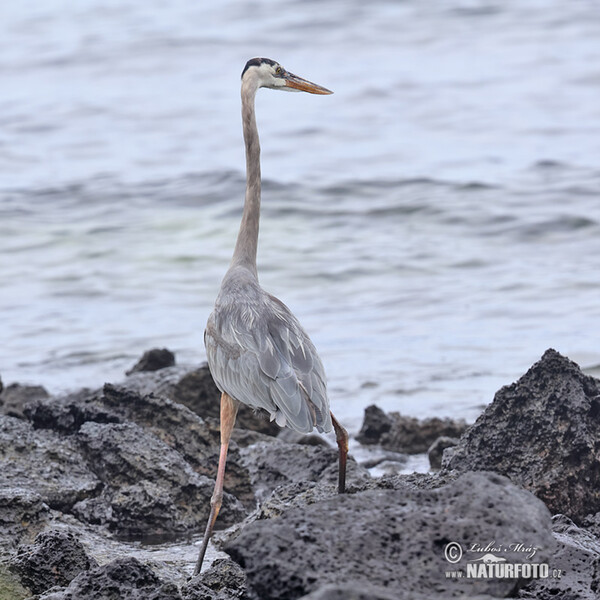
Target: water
[{"x": 434, "y": 224}]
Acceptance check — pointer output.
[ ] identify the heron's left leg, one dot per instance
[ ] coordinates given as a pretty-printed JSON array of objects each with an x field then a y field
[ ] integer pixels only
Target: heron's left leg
[
  {"x": 229, "y": 408},
  {"x": 341, "y": 436}
]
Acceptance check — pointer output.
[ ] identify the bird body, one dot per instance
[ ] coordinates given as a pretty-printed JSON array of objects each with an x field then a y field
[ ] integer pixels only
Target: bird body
[{"x": 258, "y": 353}]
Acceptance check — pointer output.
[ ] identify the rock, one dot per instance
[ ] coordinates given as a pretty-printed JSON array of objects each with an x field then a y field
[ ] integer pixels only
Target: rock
[
  {"x": 542, "y": 432},
  {"x": 271, "y": 464},
  {"x": 413, "y": 436},
  {"x": 362, "y": 591},
  {"x": 293, "y": 437},
  {"x": 436, "y": 450},
  {"x": 54, "y": 559},
  {"x": 375, "y": 424},
  {"x": 350, "y": 591},
  {"x": 122, "y": 579},
  {"x": 186, "y": 432},
  {"x": 23, "y": 514},
  {"x": 198, "y": 391},
  {"x": 154, "y": 360},
  {"x": 405, "y": 434},
  {"x": 14, "y": 398},
  {"x": 68, "y": 413},
  {"x": 223, "y": 580},
  {"x": 575, "y": 565},
  {"x": 395, "y": 537},
  {"x": 148, "y": 487},
  {"x": 44, "y": 463},
  {"x": 172, "y": 423}
]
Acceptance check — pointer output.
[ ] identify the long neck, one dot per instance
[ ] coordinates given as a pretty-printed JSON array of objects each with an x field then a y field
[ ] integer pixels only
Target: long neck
[{"x": 247, "y": 240}]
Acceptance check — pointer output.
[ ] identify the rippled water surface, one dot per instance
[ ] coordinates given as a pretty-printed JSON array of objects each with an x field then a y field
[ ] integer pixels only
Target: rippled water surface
[{"x": 435, "y": 224}]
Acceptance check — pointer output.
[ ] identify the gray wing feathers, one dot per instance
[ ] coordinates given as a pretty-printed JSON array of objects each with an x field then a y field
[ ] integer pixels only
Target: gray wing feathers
[{"x": 262, "y": 357}]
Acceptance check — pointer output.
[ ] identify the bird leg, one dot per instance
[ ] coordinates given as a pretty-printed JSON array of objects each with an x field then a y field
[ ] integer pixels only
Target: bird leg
[
  {"x": 341, "y": 435},
  {"x": 229, "y": 408}
]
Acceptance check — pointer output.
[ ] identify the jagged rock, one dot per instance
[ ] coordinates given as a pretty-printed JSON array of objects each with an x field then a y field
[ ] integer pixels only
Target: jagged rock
[
  {"x": 574, "y": 567},
  {"x": 359, "y": 537},
  {"x": 375, "y": 424},
  {"x": 44, "y": 463},
  {"x": 436, "y": 450},
  {"x": 198, "y": 391},
  {"x": 362, "y": 591},
  {"x": 148, "y": 487},
  {"x": 154, "y": 360},
  {"x": 293, "y": 437},
  {"x": 223, "y": 580},
  {"x": 398, "y": 433},
  {"x": 68, "y": 413},
  {"x": 543, "y": 433},
  {"x": 54, "y": 559},
  {"x": 271, "y": 464},
  {"x": 15, "y": 397},
  {"x": 23, "y": 514},
  {"x": 174, "y": 424},
  {"x": 122, "y": 579}
]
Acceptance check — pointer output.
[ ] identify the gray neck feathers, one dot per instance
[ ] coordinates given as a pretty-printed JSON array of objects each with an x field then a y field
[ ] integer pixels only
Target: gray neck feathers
[{"x": 247, "y": 240}]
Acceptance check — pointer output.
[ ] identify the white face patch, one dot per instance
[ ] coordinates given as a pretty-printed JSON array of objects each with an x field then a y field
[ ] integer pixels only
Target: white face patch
[{"x": 267, "y": 75}]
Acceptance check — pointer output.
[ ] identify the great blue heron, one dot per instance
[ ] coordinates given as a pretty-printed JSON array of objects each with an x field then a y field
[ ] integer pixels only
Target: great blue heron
[{"x": 257, "y": 351}]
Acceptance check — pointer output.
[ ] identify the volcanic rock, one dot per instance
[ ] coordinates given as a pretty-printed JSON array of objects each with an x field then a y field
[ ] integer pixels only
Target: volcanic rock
[
  {"x": 197, "y": 391},
  {"x": 272, "y": 464},
  {"x": 543, "y": 432},
  {"x": 148, "y": 486},
  {"x": 15, "y": 397},
  {"x": 154, "y": 360},
  {"x": 54, "y": 559},
  {"x": 575, "y": 565},
  {"x": 44, "y": 463},
  {"x": 122, "y": 579},
  {"x": 436, "y": 450},
  {"x": 358, "y": 537},
  {"x": 396, "y": 432}
]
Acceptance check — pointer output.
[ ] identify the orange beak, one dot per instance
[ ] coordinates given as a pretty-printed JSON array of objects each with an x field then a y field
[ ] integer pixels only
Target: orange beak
[{"x": 302, "y": 85}]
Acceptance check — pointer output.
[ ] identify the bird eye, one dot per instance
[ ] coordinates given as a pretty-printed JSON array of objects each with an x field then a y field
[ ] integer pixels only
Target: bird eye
[{"x": 278, "y": 70}]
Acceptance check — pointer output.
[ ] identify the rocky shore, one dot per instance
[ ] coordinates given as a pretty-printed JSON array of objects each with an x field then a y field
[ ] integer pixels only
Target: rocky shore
[{"x": 104, "y": 495}]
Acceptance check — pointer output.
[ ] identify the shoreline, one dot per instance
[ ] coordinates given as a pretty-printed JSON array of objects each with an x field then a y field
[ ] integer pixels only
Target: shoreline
[{"x": 91, "y": 477}]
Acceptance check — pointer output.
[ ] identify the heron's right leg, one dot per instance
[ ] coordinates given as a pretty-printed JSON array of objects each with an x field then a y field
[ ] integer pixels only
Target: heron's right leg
[
  {"x": 341, "y": 436},
  {"x": 229, "y": 408}
]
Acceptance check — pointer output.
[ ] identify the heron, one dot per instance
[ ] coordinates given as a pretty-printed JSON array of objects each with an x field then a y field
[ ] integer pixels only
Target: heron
[{"x": 257, "y": 351}]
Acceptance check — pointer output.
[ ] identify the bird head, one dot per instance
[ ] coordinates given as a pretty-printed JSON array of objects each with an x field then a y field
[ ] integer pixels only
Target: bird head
[{"x": 264, "y": 72}]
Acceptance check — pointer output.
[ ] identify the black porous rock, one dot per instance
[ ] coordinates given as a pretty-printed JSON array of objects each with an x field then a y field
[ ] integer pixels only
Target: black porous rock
[
  {"x": 375, "y": 424},
  {"x": 154, "y": 360},
  {"x": 44, "y": 463},
  {"x": 172, "y": 423},
  {"x": 414, "y": 436},
  {"x": 68, "y": 413},
  {"x": 121, "y": 579},
  {"x": 272, "y": 464},
  {"x": 436, "y": 450},
  {"x": 223, "y": 580},
  {"x": 54, "y": 559},
  {"x": 148, "y": 487},
  {"x": 197, "y": 391},
  {"x": 15, "y": 397},
  {"x": 574, "y": 567},
  {"x": 543, "y": 432},
  {"x": 23, "y": 514},
  {"x": 357, "y": 537},
  {"x": 362, "y": 591},
  {"x": 184, "y": 431},
  {"x": 293, "y": 437}
]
